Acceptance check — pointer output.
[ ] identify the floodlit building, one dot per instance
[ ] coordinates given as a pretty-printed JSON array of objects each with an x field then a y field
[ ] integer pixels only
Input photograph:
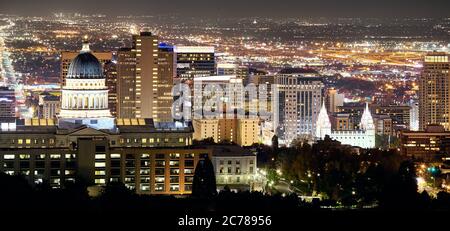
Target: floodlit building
[
  {"x": 234, "y": 167},
  {"x": 363, "y": 137}
]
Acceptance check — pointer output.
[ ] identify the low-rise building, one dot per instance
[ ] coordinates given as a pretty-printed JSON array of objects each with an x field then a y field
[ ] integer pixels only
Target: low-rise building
[{"x": 234, "y": 166}]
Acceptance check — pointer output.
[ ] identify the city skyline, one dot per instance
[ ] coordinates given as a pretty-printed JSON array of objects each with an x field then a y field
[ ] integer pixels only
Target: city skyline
[
  {"x": 234, "y": 8},
  {"x": 202, "y": 108}
]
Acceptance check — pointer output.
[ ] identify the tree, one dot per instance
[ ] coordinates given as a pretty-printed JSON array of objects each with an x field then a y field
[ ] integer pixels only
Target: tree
[
  {"x": 275, "y": 143},
  {"x": 204, "y": 184}
]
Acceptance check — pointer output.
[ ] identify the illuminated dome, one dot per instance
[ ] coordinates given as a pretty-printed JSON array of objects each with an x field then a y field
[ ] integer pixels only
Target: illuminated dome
[
  {"x": 84, "y": 97},
  {"x": 85, "y": 66}
]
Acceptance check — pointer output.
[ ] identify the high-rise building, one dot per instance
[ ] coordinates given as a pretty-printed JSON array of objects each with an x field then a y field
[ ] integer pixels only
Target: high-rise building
[
  {"x": 166, "y": 74},
  {"x": 7, "y": 102},
  {"x": 194, "y": 61},
  {"x": 126, "y": 82},
  {"x": 241, "y": 72},
  {"x": 146, "y": 88},
  {"x": 434, "y": 91},
  {"x": 110, "y": 72},
  {"x": 299, "y": 101},
  {"x": 334, "y": 100}
]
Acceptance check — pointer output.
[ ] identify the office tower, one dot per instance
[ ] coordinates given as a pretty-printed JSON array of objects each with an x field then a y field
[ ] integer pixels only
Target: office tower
[
  {"x": 146, "y": 45},
  {"x": 241, "y": 72},
  {"x": 51, "y": 105},
  {"x": 334, "y": 100},
  {"x": 299, "y": 102},
  {"x": 7, "y": 102},
  {"x": 110, "y": 72},
  {"x": 164, "y": 84},
  {"x": 67, "y": 57},
  {"x": 126, "y": 81},
  {"x": 194, "y": 61},
  {"x": 434, "y": 91}
]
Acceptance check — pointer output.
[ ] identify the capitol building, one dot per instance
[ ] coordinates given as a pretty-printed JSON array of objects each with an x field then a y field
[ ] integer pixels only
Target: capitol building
[
  {"x": 85, "y": 95},
  {"x": 364, "y": 137},
  {"x": 87, "y": 142}
]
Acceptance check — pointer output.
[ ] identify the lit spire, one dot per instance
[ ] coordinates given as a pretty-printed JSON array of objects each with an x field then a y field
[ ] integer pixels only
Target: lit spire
[
  {"x": 85, "y": 47},
  {"x": 323, "y": 124},
  {"x": 366, "y": 119}
]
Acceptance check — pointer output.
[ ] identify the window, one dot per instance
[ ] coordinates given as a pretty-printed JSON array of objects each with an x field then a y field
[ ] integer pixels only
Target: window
[
  {"x": 55, "y": 156},
  {"x": 100, "y": 164},
  {"x": 100, "y": 156},
  {"x": 8, "y": 157},
  {"x": 174, "y": 155},
  {"x": 20, "y": 141},
  {"x": 100, "y": 173},
  {"x": 115, "y": 156},
  {"x": 189, "y": 163}
]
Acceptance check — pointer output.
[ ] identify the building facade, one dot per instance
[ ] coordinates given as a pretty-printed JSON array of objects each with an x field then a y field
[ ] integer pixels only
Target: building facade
[
  {"x": 363, "y": 137},
  {"x": 244, "y": 132},
  {"x": 299, "y": 98},
  {"x": 126, "y": 81},
  {"x": 429, "y": 145},
  {"x": 7, "y": 102},
  {"x": 194, "y": 61},
  {"x": 434, "y": 93},
  {"x": 234, "y": 167}
]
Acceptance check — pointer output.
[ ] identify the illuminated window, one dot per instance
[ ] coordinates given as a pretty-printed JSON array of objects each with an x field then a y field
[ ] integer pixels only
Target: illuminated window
[
  {"x": 100, "y": 173},
  {"x": 28, "y": 141},
  {"x": 55, "y": 156},
  {"x": 20, "y": 141},
  {"x": 115, "y": 156},
  {"x": 8, "y": 157},
  {"x": 100, "y": 181},
  {"x": 24, "y": 156},
  {"x": 100, "y": 156},
  {"x": 100, "y": 164}
]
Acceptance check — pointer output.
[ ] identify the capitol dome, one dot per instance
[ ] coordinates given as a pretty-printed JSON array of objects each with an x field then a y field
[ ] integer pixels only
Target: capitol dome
[{"x": 85, "y": 65}]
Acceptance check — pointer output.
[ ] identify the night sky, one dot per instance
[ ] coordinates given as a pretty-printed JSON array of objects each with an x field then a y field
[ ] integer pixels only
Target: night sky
[{"x": 224, "y": 8}]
